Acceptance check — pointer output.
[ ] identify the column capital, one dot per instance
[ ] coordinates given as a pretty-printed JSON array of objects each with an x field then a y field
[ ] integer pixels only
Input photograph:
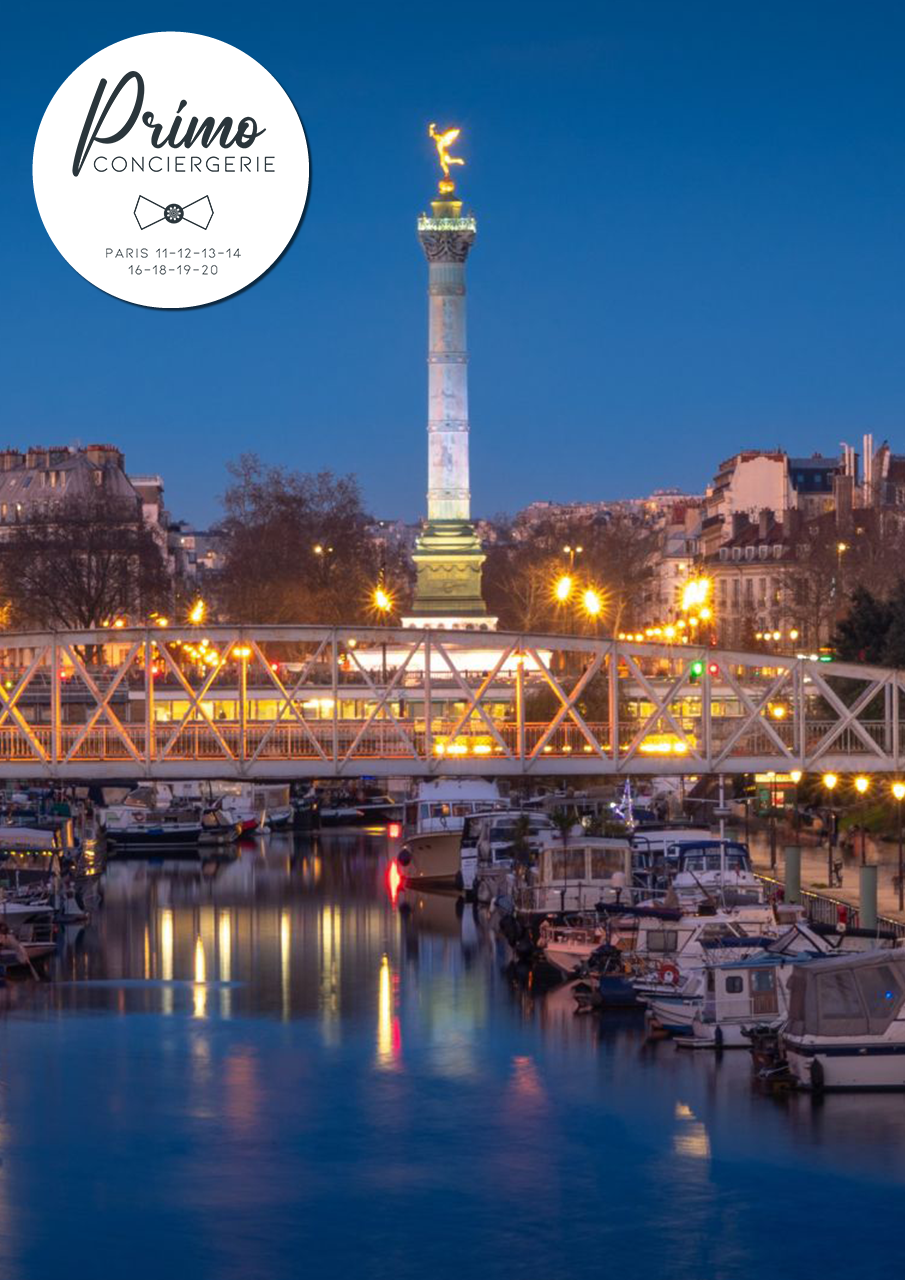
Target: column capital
[{"x": 446, "y": 239}]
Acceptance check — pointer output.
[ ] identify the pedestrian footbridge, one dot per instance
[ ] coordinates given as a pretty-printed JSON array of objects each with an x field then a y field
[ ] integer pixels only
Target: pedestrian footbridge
[{"x": 314, "y": 701}]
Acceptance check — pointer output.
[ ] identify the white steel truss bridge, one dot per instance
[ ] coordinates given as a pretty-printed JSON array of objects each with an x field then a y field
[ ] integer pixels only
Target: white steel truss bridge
[{"x": 287, "y": 702}]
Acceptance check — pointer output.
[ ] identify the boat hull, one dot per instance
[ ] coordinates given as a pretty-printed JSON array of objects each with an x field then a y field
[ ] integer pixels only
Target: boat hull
[
  {"x": 433, "y": 859},
  {"x": 856, "y": 1065},
  {"x": 164, "y": 837}
]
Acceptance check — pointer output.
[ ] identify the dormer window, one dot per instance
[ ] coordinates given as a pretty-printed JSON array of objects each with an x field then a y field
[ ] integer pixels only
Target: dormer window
[
  {"x": 749, "y": 553},
  {"x": 724, "y": 553}
]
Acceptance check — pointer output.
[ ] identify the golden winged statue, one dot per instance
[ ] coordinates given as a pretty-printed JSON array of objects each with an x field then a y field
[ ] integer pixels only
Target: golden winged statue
[{"x": 443, "y": 141}]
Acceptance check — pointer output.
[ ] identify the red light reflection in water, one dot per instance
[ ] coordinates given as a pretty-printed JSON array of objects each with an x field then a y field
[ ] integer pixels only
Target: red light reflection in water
[{"x": 395, "y": 881}]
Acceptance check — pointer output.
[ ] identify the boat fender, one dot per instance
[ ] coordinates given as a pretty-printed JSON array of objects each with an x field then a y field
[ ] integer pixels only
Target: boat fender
[
  {"x": 668, "y": 973},
  {"x": 404, "y": 857},
  {"x": 818, "y": 1079},
  {"x": 718, "y": 1039}
]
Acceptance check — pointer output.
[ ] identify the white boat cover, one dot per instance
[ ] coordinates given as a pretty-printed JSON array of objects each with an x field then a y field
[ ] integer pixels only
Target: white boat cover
[{"x": 847, "y": 996}]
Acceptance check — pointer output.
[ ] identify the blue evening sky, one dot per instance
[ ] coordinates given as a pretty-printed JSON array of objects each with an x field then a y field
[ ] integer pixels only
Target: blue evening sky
[{"x": 690, "y": 240}]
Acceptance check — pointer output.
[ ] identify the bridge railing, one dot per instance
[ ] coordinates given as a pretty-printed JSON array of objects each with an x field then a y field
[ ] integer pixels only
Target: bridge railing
[{"x": 312, "y": 698}]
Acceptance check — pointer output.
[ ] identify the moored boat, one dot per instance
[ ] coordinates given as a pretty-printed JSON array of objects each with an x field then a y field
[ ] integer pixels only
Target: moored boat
[
  {"x": 434, "y": 821},
  {"x": 846, "y": 1023}
]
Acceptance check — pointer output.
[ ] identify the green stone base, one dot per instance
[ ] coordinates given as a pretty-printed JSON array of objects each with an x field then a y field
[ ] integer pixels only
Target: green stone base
[{"x": 448, "y": 559}]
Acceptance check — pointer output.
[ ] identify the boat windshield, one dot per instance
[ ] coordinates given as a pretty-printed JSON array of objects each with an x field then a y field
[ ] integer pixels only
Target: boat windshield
[{"x": 699, "y": 860}]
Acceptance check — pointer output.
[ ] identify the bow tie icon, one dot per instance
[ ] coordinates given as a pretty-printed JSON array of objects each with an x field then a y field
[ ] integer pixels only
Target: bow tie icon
[{"x": 147, "y": 213}]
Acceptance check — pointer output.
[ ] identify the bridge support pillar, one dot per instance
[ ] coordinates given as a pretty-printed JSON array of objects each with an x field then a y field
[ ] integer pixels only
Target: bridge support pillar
[
  {"x": 868, "y": 897},
  {"x": 792, "y": 854}
]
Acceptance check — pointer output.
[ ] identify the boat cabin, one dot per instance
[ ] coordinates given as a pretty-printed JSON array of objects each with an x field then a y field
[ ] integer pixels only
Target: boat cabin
[{"x": 577, "y": 874}]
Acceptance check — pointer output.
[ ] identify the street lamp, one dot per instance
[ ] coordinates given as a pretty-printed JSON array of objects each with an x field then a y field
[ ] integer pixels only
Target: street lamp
[
  {"x": 861, "y": 786},
  {"x": 898, "y": 791},
  {"x": 796, "y": 775},
  {"x": 563, "y": 588},
  {"x": 829, "y": 780},
  {"x": 572, "y": 552},
  {"x": 592, "y": 602},
  {"x": 383, "y": 603}
]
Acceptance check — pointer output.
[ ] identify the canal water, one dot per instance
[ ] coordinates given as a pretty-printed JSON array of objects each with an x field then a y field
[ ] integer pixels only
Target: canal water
[{"x": 261, "y": 1067}]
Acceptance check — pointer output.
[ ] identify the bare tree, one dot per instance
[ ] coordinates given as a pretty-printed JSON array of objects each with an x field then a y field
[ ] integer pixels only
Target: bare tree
[
  {"x": 81, "y": 563},
  {"x": 298, "y": 547}
]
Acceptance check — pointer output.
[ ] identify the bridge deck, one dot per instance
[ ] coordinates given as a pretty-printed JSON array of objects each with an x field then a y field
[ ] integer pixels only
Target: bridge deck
[{"x": 280, "y": 702}]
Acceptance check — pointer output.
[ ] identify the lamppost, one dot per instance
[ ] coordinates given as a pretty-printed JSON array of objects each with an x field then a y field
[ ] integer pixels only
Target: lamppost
[
  {"x": 829, "y": 781},
  {"x": 898, "y": 791},
  {"x": 383, "y": 603},
  {"x": 795, "y": 775},
  {"x": 841, "y": 548},
  {"x": 572, "y": 552},
  {"x": 861, "y": 786}
]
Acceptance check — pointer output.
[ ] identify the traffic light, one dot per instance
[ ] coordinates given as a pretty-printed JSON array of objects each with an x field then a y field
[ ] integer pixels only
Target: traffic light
[
  {"x": 697, "y": 670},
  {"x": 712, "y": 669}
]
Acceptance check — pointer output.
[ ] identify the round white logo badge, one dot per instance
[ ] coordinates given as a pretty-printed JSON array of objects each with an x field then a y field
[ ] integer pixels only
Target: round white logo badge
[{"x": 171, "y": 170}]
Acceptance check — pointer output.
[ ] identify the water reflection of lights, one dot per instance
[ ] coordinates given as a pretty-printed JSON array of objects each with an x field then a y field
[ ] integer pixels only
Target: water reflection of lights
[
  {"x": 331, "y": 942},
  {"x": 389, "y": 1042},
  {"x": 691, "y": 1139},
  {"x": 285, "y": 945},
  {"x": 225, "y": 959},
  {"x": 200, "y": 975},
  {"x": 394, "y": 881},
  {"x": 166, "y": 957}
]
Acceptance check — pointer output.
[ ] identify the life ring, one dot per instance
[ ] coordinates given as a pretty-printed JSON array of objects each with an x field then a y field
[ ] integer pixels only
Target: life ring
[{"x": 668, "y": 974}]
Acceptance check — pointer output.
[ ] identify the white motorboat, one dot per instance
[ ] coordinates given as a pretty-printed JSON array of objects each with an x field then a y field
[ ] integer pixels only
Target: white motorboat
[
  {"x": 434, "y": 821},
  {"x": 575, "y": 873},
  {"x": 27, "y": 932},
  {"x": 490, "y": 842},
  {"x": 718, "y": 870},
  {"x": 846, "y": 1022}
]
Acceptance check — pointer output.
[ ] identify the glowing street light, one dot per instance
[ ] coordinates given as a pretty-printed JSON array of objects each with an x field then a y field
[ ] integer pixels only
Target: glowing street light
[
  {"x": 592, "y": 602},
  {"x": 830, "y": 780},
  {"x": 898, "y": 791},
  {"x": 563, "y": 588},
  {"x": 695, "y": 594},
  {"x": 198, "y": 612},
  {"x": 382, "y": 600},
  {"x": 861, "y": 784}
]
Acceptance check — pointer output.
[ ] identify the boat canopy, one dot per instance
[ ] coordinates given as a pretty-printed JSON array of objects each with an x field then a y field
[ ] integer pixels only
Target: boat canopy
[{"x": 848, "y": 996}]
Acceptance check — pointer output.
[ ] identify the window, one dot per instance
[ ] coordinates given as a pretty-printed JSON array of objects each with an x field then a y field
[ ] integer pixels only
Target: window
[
  {"x": 762, "y": 980},
  {"x": 462, "y": 810},
  {"x": 840, "y": 1003},
  {"x": 440, "y": 811},
  {"x": 605, "y": 861},
  {"x": 724, "y": 553},
  {"x": 568, "y": 864},
  {"x": 749, "y": 553},
  {"x": 734, "y": 986},
  {"x": 881, "y": 991},
  {"x": 663, "y": 940}
]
